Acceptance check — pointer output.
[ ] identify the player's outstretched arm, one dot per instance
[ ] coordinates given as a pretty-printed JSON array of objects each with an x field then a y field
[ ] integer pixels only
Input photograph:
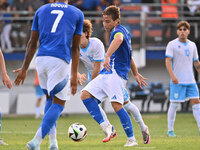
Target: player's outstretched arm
[
  {"x": 138, "y": 77},
  {"x": 75, "y": 62},
  {"x": 30, "y": 51},
  {"x": 5, "y": 78}
]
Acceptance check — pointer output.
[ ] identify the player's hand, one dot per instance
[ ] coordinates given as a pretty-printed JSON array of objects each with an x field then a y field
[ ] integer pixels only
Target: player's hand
[
  {"x": 175, "y": 80},
  {"x": 73, "y": 84},
  {"x": 141, "y": 80},
  {"x": 82, "y": 78},
  {"x": 107, "y": 63},
  {"x": 20, "y": 77},
  {"x": 6, "y": 81}
]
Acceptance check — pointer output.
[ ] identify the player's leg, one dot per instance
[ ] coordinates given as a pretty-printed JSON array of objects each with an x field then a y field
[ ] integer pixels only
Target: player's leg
[
  {"x": 113, "y": 88},
  {"x": 91, "y": 103},
  {"x": 193, "y": 94},
  {"x": 135, "y": 113},
  {"x": 104, "y": 115},
  {"x": 126, "y": 123},
  {"x": 53, "y": 131},
  {"x": 48, "y": 122},
  {"x": 114, "y": 134},
  {"x": 196, "y": 111},
  {"x": 54, "y": 79},
  {"x": 92, "y": 106},
  {"x": 177, "y": 95},
  {"x": 171, "y": 118},
  {"x": 39, "y": 93}
]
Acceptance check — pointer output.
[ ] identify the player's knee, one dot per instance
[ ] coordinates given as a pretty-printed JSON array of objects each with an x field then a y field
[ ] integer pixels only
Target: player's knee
[
  {"x": 116, "y": 106},
  {"x": 126, "y": 102},
  {"x": 85, "y": 95},
  {"x": 174, "y": 105}
]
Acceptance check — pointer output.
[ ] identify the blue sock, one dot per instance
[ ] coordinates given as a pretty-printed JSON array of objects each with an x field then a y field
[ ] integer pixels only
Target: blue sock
[
  {"x": 126, "y": 122},
  {"x": 93, "y": 109},
  {"x": 50, "y": 118},
  {"x": 47, "y": 105}
]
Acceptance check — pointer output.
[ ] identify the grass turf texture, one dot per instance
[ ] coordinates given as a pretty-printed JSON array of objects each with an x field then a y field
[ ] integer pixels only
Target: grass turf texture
[{"x": 17, "y": 131}]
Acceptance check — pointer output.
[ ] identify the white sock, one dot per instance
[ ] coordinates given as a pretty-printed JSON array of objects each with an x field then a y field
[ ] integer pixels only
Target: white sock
[
  {"x": 104, "y": 125},
  {"x": 104, "y": 115},
  {"x": 172, "y": 115},
  {"x": 196, "y": 113},
  {"x": 37, "y": 111},
  {"x": 38, "y": 137},
  {"x": 131, "y": 138},
  {"x": 52, "y": 135},
  {"x": 134, "y": 111}
]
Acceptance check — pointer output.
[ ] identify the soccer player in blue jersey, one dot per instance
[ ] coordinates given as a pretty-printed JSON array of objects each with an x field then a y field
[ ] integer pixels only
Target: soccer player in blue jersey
[
  {"x": 92, "y": 54},
  {"x": 58, "y": 27},
  {"x": 181, "y": 55},
  {"x": 112, "y": 79}
]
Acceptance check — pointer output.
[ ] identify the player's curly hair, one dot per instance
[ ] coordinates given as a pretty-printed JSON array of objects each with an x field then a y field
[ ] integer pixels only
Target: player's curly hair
[
  {"x": 183, "y": 23},
  {"x": 112, "y": 11},
  {"x": 87, "y": 27}
]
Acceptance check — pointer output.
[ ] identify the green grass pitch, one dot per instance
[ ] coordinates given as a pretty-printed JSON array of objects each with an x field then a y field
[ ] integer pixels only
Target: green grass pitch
[{"x": 17, "y": 131}]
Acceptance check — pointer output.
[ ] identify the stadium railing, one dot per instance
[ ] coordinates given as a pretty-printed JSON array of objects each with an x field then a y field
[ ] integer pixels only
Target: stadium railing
[{"x": 145, "y": 29}]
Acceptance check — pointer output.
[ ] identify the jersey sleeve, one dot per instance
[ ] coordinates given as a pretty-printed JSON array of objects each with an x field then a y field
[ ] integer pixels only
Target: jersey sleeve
[
  {"x": 195, "y": 53},
  {"x": 79, "y": 25},
  {"x": 169, "y": 50},
  {"x": 35, "y": 22},
  {"x": 99, "y": 52}
]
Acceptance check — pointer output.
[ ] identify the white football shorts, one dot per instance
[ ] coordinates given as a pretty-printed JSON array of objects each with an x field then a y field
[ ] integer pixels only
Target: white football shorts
[
  {"x": 54, "y": 76},
  {"x": 107, "y": 85}
]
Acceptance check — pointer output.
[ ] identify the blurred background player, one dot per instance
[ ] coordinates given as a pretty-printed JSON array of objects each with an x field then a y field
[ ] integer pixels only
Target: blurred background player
[
  {"x": 181, "y": 53},
  {"x": 92, "y": 54},
  {"x": 6, "y": 81},
  {"x": 58, "y": 27},
  {"x": 39, "y": 94}
]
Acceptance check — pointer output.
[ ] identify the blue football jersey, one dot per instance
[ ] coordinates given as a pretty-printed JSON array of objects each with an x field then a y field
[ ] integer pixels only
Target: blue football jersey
[
  {"x": 121, "y": 58},
  {"x": 57, "y": 23}
]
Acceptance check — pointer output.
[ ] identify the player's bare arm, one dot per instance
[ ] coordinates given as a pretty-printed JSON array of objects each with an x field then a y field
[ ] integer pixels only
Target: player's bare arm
[
  {"x": 138, "y": 77},
  {"x": 75, "y": 62},
  {"x": 97, "y": 66},
  {"x": 168, "y": 63},
  {"x": 30, "y": 51},
  {"x": 112, "y": 48},
  {"x": 197, "y": 66}
]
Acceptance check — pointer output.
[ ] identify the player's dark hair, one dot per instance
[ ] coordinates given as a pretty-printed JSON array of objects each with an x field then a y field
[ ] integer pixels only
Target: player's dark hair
[
  {"x": 183, "y": 23},
  {"x": 112, "y": 11},
  {"x": 87, "y": 27}
]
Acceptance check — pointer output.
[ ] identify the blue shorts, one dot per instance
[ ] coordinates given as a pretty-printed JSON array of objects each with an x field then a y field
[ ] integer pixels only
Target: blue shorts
[
  {"x": 38, "y": 91},
  {"x": 183, "y": 92}
]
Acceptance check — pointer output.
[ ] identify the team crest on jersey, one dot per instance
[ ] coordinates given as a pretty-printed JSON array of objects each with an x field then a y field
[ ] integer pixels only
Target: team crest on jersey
[
  {"x": 187, "y": 52},
  {"x": 175, "y": 95}
]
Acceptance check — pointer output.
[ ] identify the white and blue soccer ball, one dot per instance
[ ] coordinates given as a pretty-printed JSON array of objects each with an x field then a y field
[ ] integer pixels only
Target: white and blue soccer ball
[{"x": 77, "y": 132}]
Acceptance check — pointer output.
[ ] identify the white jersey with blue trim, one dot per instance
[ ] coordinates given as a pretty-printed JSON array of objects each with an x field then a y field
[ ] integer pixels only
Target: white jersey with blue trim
[
  {"x": 94, "y": 52},
  {"x": 183, "y": 55}
]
